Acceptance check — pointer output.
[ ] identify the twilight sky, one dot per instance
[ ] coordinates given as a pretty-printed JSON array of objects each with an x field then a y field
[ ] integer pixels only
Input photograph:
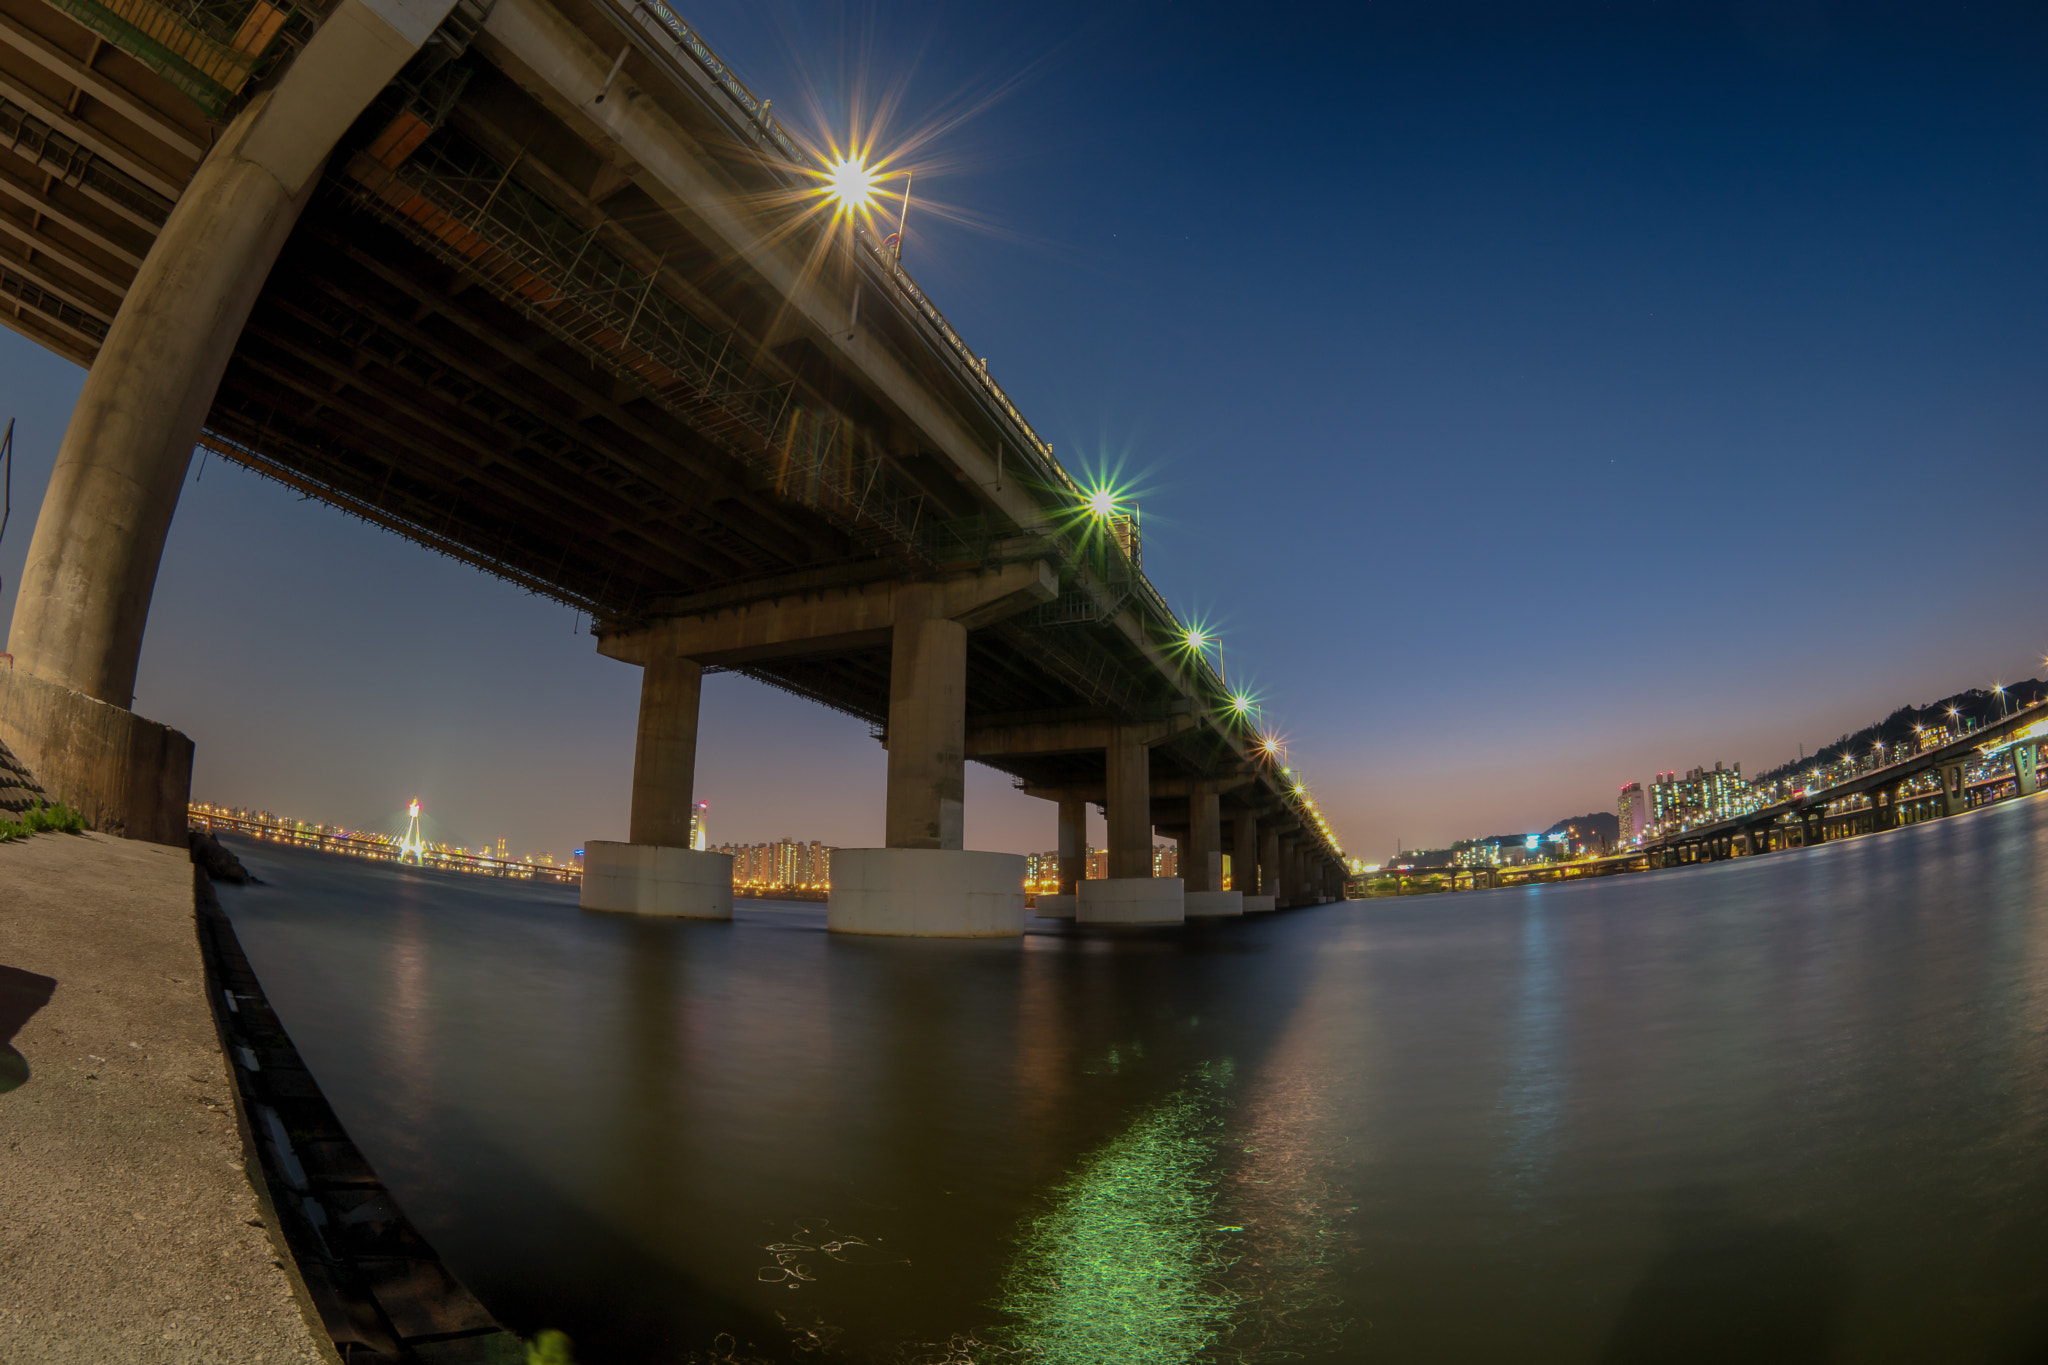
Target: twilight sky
[{"x": 1536, "y": 395}]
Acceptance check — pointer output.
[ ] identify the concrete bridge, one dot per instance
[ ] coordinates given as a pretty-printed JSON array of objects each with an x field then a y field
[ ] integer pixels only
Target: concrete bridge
[
  {"x": 1931, "y": 783},
  {"x": 540, "y": 285}
]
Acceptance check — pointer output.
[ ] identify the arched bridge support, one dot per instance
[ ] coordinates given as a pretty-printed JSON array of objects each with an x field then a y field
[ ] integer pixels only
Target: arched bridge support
[{"x": 92, "y": 563}]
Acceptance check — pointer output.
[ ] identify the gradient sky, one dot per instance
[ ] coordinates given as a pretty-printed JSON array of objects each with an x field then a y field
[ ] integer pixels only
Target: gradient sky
[{"x": 1537, "y": 396}]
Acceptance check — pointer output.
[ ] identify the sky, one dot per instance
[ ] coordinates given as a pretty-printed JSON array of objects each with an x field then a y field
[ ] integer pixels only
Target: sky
[{"x": 1536, "y": 397}]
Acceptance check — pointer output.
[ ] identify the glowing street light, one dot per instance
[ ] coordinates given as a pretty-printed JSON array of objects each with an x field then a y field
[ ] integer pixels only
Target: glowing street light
[{"x": 852, "y": 182}]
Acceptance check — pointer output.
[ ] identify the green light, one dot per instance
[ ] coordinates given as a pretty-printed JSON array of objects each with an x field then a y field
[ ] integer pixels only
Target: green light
[{"x": 1124, "y": 1266}]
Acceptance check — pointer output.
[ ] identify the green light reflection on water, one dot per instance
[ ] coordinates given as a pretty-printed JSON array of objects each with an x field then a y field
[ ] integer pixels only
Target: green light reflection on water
[{"x": 1123, "y": 1267}]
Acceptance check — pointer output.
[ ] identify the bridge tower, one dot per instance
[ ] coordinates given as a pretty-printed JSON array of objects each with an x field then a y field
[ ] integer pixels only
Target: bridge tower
[{"x": 412, "y": 848}]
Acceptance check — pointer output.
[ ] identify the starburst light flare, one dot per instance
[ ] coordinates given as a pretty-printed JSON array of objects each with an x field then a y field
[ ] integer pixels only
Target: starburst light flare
[{"x": 852, "y": 182}]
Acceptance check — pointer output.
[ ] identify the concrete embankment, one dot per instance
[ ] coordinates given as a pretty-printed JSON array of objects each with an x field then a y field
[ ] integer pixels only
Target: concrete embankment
[
  {"x": 129, "y": 1227},
  {"x": 173, "y": 1186}
]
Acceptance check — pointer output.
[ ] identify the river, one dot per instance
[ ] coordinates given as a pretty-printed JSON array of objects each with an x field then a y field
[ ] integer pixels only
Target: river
[{"x": 1787, "y": 1108}]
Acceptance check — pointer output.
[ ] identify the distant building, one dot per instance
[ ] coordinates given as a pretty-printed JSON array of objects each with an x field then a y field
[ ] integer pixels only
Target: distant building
[
  {"x": 1701, "y": 797},
  {"x": 699, "y": 835},
  {"x": 1165, "y": 860},
  {"x": 784, "y": 865},
  {"x": 1634, "y": 813},
  {"x": 1042, "y": 873}
]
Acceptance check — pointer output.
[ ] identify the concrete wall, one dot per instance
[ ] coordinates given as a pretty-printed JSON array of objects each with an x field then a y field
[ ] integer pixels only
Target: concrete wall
[{"x": 128, "y": 776}]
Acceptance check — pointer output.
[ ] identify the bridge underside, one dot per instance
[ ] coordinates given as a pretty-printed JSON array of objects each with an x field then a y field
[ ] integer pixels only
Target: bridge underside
[{"x": 645, "y": 378}]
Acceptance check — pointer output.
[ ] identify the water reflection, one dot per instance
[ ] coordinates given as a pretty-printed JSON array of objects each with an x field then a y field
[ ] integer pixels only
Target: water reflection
[
  {"x": 1124, "y": 1266},
  {"x": 1793, "y": 1104}
]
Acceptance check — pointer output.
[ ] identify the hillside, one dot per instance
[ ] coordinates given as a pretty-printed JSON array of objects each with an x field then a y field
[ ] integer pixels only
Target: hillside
[{"x": 1975, "y": 707}]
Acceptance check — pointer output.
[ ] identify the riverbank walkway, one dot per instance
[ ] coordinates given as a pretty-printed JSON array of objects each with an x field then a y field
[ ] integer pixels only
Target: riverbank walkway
[{"x": 130, "y": 1229}]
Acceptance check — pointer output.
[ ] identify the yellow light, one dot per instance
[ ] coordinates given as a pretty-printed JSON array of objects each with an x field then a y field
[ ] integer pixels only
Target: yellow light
[
  {"x": 1102, "y": 502},
  {"x": 851, "y": 183}
]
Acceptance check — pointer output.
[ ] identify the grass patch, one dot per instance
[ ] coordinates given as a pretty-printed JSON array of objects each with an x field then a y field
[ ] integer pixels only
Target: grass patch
[{"x": 42, "y": 817}]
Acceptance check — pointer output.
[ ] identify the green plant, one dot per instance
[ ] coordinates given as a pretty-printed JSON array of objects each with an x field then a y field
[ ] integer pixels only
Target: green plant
[
  {"x": 550, "y": 1347},
  {"x": 57, "y": 819}
]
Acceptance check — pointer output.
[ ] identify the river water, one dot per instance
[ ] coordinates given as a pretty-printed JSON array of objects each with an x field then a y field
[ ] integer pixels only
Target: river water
[{"x": 1789, "y": 1108}]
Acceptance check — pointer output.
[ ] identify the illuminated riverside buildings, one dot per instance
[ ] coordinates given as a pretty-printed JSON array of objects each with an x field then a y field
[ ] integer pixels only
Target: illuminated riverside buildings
[
  {"x": 784, "y": 865},
  {"x": 1042, "y": 870},
  {"x": 1701, "y": 797}
]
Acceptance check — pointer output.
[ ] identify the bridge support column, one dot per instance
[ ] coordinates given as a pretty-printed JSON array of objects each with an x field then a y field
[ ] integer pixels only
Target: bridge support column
[
  {"x": 1130, "y": 894},
  {"x": 2026, "y": 768},
  {"x": 1073, "y": 848},
  {"x": 1244, "y": 861},
  {"x": 923, "y": 882},
  {"x": 1203, "y": 872},
  {"x": 1955, "y": 797},
  {"x": 1269, "y": 866},
  {"x": 657, "y": 872},
  {"x": 92, "y": 562}
]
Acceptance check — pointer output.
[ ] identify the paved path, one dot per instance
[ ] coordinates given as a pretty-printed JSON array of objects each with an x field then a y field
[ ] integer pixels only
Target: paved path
[{"x": 129, "y": 1230}]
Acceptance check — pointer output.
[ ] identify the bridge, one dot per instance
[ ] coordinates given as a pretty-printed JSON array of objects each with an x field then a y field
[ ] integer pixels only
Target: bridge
[
  {"x": 1933, "y": 782},
  {"x": 542, "y": 286}
]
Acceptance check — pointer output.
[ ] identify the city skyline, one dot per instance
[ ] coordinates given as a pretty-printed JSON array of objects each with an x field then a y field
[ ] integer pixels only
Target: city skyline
[{"x": 1789, "y": 285}]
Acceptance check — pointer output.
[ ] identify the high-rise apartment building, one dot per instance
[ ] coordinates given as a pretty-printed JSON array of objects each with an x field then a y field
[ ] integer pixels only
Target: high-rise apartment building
[
  {"x": 1634, "y": 813},
  {"x": 785, "y": 865},
  {"x": 1701, "y": 797}
]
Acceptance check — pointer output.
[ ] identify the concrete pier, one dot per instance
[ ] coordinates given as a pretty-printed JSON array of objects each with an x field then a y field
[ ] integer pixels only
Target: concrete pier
[
  {"x": 1132, "y": 900},
  {"x": 927, "y": 892},
  {"x": 653, "y": 879}
]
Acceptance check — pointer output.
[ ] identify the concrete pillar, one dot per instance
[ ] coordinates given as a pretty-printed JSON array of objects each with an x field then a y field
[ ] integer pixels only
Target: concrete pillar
[
  {"x": 927, "y": 725},
  {"x": 1130, "y": 894},
  {"x": 1269, "y": 866},
  {"x": 2025, "y": 766},
  {"x": 656, "y": 872},
  {"x": 92, "y": 562},
  {"x": 1244, "y": 852},
  {"x": 1954, "y": 798},
  {"x": 1204, "y": 869},
  {"x": 1202, "y": 874},
  {"x": 1244, "y": 863},
  {"x": 1073, "y": 856},
  {"x": 923, "y": 882},
  {"x": 1128, "y": 807},
  {"x": 665, "y": 752},
  {"x": 1073, "y": 844}
]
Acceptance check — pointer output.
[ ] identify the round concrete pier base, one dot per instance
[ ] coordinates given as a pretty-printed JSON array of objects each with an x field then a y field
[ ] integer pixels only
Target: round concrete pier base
[
  {"x": 926, "y": 892},
  {"x": 1055, "y": 907},
  {"x": 1131, "y": 900},
  {"x": 648, "y": 879},
  {"x": 1258, "y": 905},
  {"x": 1214, "y": 904}
]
